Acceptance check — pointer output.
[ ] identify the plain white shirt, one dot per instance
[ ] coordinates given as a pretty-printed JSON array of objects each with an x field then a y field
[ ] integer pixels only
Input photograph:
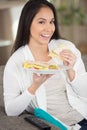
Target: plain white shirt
[{"x": 17, "y": 80}]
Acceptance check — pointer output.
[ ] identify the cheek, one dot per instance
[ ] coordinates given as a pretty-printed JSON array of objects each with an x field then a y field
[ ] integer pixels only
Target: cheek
[
  {"x": 54, "y": 28},
  {"x": 33, "y": 30}
]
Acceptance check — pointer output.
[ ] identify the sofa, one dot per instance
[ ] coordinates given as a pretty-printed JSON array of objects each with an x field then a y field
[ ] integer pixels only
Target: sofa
[
  {"x": 18, "y": 123},
  {"x": 14, "y": 123}
]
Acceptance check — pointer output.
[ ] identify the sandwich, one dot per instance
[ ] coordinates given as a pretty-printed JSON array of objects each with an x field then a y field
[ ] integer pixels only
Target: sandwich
[
  {"x": 40, "y": 65},
  {"x": 55, "y": 53}
]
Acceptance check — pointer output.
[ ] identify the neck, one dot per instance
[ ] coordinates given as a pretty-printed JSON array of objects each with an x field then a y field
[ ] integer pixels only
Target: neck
[
  {"x": 43, "y": 48},
  {"x": 40, "y": 52}
]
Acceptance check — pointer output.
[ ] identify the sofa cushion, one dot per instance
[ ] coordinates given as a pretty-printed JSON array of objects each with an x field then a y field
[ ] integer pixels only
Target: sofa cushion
[
  {"x": 18, "y": 123},
  {"x": 14, "y": 123}
]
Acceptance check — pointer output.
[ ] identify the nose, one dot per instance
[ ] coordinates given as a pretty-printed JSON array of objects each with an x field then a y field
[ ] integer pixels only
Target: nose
[{"x": 49, "y": 27}]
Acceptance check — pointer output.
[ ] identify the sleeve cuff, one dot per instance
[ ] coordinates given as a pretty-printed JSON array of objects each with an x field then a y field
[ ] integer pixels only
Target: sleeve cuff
[
  {"x": 29, "y": 94},
  {"x": 71, "y": 82}
]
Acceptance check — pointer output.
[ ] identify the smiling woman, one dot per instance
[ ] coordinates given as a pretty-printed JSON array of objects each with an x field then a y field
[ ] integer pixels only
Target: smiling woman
[
  {"x": 37, "y": 32},
  {"x": 42, "y": 28}
]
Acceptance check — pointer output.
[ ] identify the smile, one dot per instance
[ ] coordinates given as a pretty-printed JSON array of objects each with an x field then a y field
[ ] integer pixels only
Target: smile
[{"x": 46, "y": 36}]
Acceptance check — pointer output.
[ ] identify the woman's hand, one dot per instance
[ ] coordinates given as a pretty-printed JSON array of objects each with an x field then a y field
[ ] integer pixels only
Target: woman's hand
[
  {"x": 37, "y": 81},
  {"x": 69, "y": 59}
]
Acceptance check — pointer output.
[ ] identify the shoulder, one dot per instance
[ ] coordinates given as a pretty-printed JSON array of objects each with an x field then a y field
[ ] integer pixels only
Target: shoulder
[
  {"x": 15, "y": 59},
  {"x": 18, "y": 54}
]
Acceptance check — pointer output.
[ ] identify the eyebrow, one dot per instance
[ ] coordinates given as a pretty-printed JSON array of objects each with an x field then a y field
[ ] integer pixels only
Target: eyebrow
[{"x": 44, "y": 19}]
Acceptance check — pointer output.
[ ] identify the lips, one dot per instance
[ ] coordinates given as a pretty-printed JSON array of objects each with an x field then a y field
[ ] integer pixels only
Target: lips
[{"x": 46, "y": 36}]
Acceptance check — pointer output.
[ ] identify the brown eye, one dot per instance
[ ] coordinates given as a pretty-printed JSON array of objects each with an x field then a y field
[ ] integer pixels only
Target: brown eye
[
  {"x": 52, "y": 22},
  {"x": 41, "y": 22}
]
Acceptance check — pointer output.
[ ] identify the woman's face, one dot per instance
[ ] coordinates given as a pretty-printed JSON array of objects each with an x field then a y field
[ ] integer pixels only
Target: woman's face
[{"x": 42, "y": 27}]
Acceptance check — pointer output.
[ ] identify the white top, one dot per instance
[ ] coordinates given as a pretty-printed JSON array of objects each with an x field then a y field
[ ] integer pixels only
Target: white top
[
  {"x": 57, "y": 103},
  {"x": 17, "y": 80}
]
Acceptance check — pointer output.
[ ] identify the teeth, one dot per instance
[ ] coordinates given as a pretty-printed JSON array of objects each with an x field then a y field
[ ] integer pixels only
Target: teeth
[{"x": 46, "y": 35}]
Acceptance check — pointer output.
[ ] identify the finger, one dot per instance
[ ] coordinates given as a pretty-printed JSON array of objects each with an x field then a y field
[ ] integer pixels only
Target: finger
[
  {"x": 67, "y": 52},
  {"x": 49, "y": 75}
]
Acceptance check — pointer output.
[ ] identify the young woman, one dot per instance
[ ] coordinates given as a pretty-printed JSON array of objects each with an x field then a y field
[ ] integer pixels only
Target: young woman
[{"x": 64, "y": 94}]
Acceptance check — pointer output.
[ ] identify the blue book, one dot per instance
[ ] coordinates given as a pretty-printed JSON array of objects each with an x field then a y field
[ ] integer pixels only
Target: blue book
[{"x": 47, "y": 117}]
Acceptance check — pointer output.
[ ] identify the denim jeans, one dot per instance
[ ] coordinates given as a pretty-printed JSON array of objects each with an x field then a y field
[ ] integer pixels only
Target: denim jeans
[{"x": 83, "y": 124}]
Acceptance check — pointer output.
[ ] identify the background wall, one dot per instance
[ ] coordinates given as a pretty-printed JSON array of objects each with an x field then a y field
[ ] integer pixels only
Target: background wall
[{"x": 9, "y": 18}]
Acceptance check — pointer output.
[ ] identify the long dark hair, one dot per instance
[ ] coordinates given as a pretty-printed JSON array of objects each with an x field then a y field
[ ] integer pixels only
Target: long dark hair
[{"x": 29, "y": 11}]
